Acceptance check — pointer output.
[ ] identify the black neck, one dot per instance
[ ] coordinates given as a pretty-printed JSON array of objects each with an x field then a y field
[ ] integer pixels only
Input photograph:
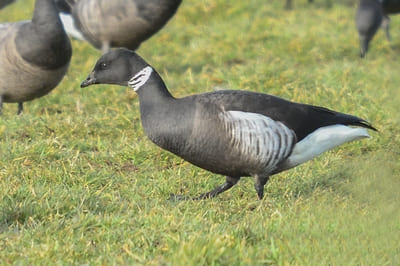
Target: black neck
[
  {"x": 45, "y": 35},
  {"x": 46, "y": 11},
  {"x": 154, "y": 90}
]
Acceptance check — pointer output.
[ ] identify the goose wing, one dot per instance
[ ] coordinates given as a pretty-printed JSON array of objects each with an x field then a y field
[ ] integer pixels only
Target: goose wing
[{"x": 258, "y": 137}]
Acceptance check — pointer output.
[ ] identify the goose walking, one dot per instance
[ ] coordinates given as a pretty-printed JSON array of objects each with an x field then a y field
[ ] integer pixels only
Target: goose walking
[
  {"x": 121, "y": 23},
  {"x": 34, "y": 55},
  {"x": 232, "y": 133}
]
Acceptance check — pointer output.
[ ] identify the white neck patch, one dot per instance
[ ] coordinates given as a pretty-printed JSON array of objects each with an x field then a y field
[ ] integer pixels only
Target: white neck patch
[{"x": 140, "y": 78}]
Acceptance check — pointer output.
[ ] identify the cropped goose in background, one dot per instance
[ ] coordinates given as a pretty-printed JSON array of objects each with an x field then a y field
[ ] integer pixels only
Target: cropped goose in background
[
  {"x": 389, "y": 7},
  {"x": 4, "y": 3},
  {"x": 369, "y": 17},
  {"x": 34, "y": 55},
  {"x": 228, "y": 132},
  {"x": 121, "y": 23}
]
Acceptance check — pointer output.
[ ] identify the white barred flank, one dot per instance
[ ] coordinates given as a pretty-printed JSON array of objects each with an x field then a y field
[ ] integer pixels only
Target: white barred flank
[
  {"x": 140, "y": 78},
  {"x": 258, "y": 137}
]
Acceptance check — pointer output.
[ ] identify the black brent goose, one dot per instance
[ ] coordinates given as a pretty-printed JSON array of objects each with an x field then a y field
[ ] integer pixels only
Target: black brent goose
[
  {"x": 34, "y": 55},
  {"x": 369, "y": 16},
  {"x": 228, "y": 132},
  {"x": 121, "y": 23}
]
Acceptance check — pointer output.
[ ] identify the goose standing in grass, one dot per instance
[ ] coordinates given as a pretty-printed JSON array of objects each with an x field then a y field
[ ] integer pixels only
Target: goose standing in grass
[
  {"x": 369, "y": 18},
  {"x": 228, "y": 132},
  {"x": 121, "y": 23},
  {"x": 34, "y": 55}
]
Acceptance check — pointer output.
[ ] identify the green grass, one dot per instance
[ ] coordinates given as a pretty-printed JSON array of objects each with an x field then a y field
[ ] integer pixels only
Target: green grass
[{"x": 81, "y": 184}]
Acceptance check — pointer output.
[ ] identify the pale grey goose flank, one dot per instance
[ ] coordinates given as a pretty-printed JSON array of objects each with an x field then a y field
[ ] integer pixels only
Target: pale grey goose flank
[
  {"x": 121, "y": 23},
  {"x": 228, "y": 132},
  {"x": 34, "y": 55}
]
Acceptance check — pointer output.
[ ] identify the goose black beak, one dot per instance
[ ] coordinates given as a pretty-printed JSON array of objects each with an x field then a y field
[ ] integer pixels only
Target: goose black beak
[{"x": 88, "y": 81}]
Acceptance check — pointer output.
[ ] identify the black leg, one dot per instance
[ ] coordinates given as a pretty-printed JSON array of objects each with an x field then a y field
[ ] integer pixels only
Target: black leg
[
  {"x": 20, "y": 108},
  {"x": 259, "y": 182},
  {"x": 288, "y": 4},
  {"x": 385, "y": 26},
  {"x": 1, "y": 104},
  {"x": 363, "y": 47},
  {"x": 230, "y": 182}
]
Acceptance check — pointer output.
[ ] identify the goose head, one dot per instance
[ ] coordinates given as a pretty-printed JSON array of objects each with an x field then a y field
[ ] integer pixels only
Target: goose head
[{"x": 119, "y": 67}]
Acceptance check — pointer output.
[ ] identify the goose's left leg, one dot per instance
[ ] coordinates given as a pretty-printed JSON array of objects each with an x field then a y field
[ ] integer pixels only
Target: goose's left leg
[
  {"x": 229, "y": 182},
  {"x": 20, "y": 108},
  {"x": 259, "y": 183}
]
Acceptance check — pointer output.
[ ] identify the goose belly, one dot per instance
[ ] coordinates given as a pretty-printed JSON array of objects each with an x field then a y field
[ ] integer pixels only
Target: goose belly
[{"x": 106, "y": 22}]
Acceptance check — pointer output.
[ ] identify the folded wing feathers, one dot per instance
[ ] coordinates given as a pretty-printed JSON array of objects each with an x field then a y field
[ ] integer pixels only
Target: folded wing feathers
[{"x": 258, "y": 137}]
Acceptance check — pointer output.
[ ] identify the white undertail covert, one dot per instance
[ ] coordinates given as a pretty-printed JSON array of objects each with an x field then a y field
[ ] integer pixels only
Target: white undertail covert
[{"x": 323, "y": 139}]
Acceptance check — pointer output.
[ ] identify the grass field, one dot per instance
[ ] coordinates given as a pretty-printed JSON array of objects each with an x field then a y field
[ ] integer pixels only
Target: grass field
[{"x": 81, "y": 184}]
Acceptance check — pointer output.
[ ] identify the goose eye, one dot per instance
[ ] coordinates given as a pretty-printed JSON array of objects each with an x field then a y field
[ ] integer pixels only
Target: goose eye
[{"x": 103, "y": 65}]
